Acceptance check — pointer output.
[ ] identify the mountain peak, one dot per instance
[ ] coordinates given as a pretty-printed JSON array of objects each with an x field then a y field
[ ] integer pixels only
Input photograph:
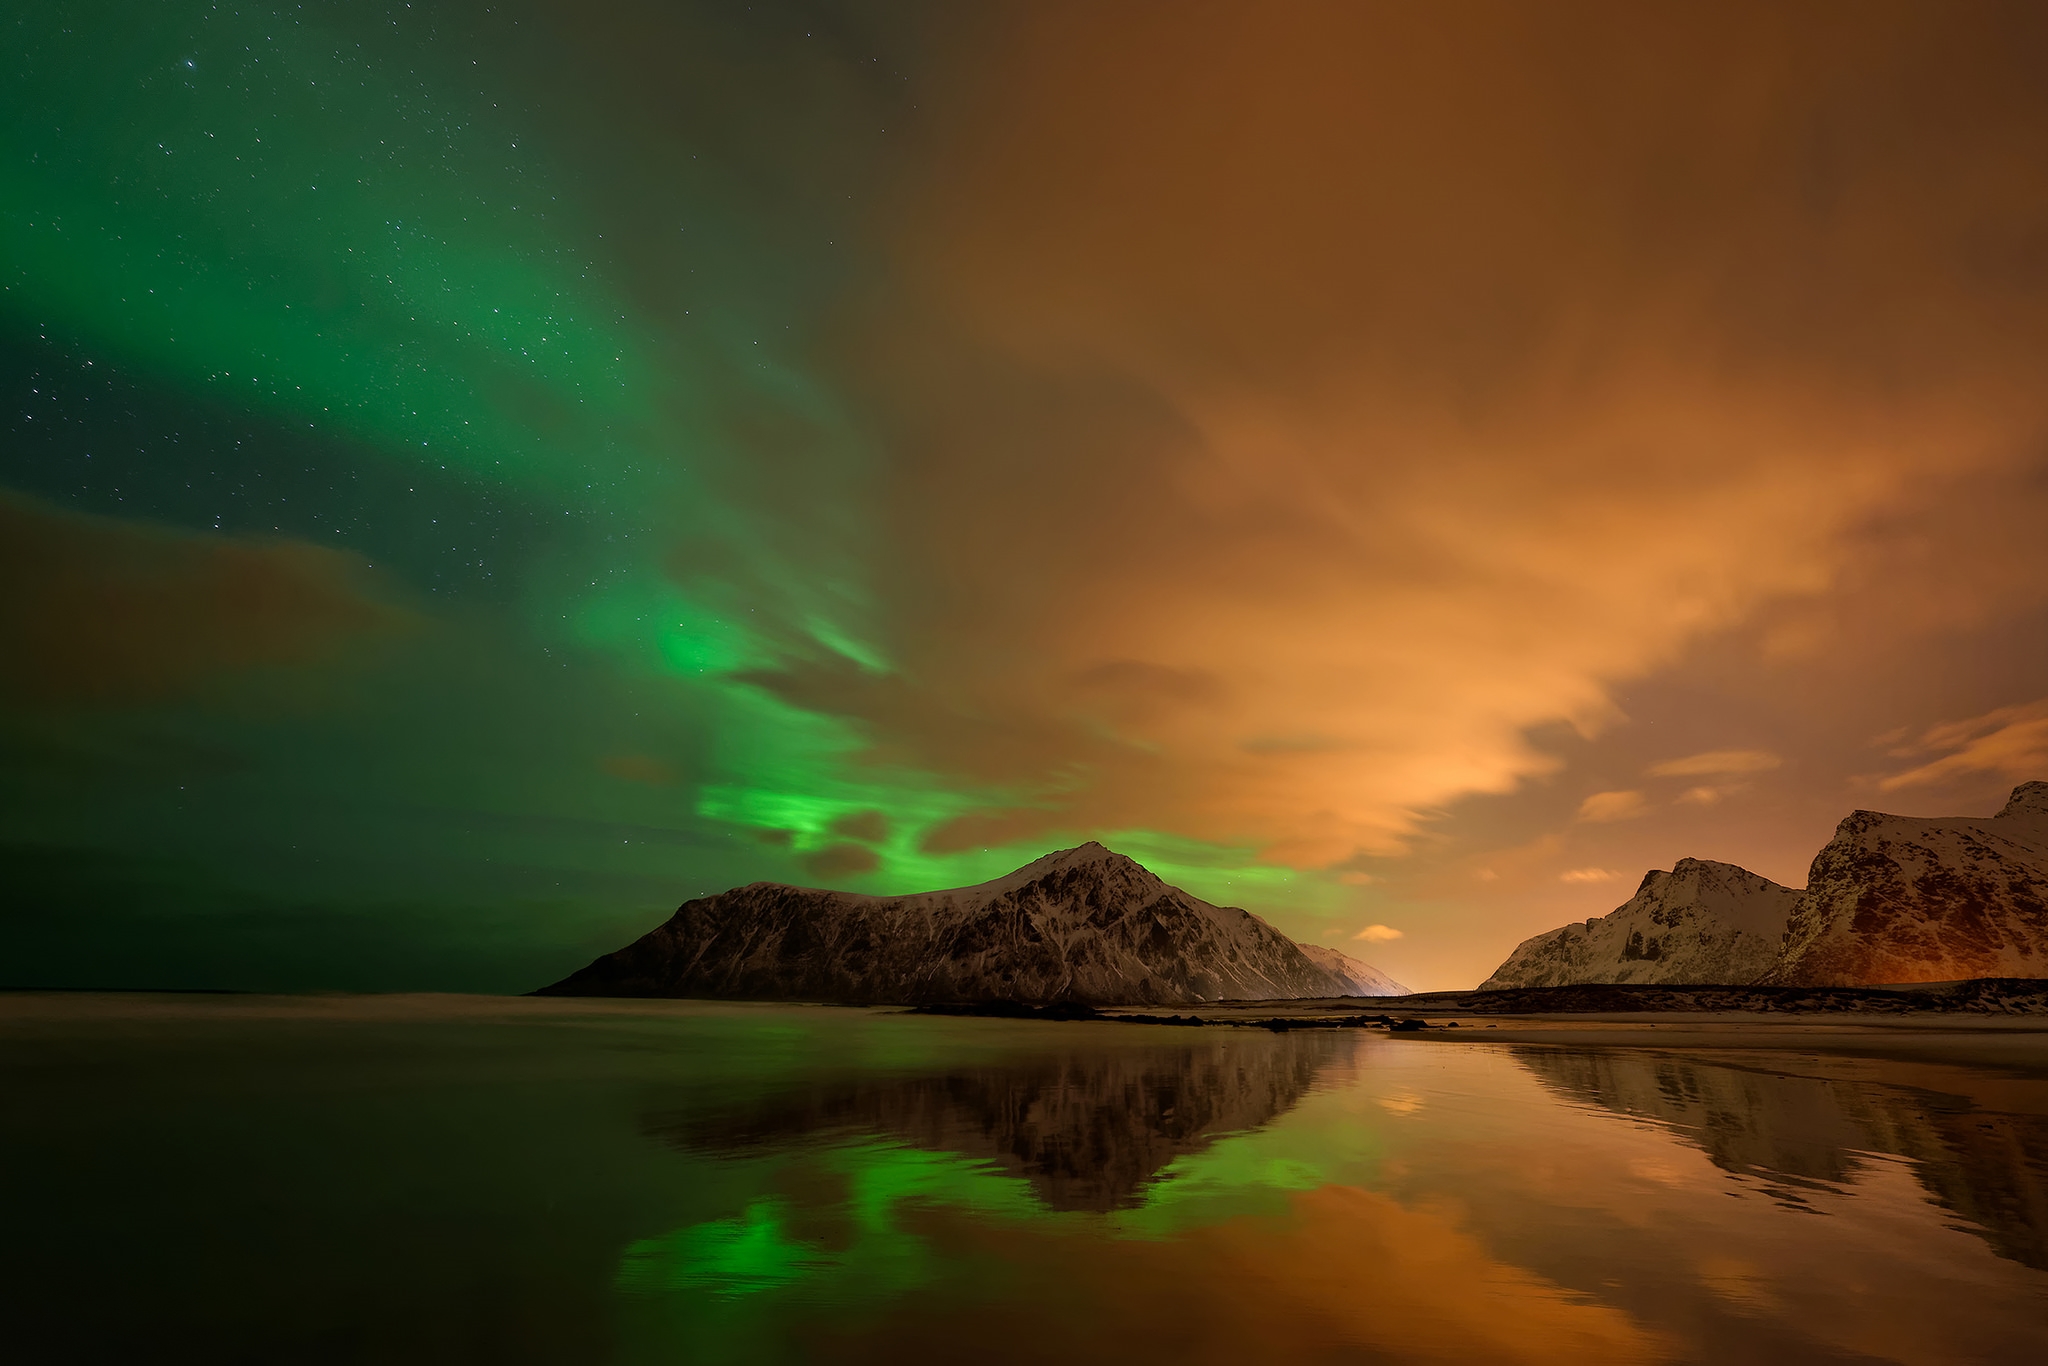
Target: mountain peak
[
  {"x": 1086, "y": 855},
  {"x": 2028, "y": 799},
  {"x": 1708, "y": 865}
]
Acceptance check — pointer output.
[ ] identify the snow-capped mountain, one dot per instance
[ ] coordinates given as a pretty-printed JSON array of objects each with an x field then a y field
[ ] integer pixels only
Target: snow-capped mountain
[
  {"x": 1361, "y": 979},
  {"x": 1702, "y": 922},
  {"x": 1890, "y": 899},
  {"x": 1085, "y": 925},
  {"x": 1906, "y": 899}
]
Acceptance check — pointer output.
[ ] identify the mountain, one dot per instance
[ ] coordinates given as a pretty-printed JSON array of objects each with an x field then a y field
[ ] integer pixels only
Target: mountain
[
  {"x": 1702, "y": 922},
  {"x": 1360, "y": 979},
  {"x": 1907, "y": 899},
  {"x": 1086, "y": 925},
  {"x": 1891, "y": 899}
]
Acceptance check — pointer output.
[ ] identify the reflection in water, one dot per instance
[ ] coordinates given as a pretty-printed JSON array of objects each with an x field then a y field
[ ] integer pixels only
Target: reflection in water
[
  {"x": 1031, "y": 1140},
  {"x": 1341, "y": 1274},
  {"x": 1331, "y": 1196},
  {"x": 1087, "y": 1129},
  {"x": 1153, "y": 1197},
  {"x": 1795, "y": 1131},
  {"x": 440, "y": 1179}
]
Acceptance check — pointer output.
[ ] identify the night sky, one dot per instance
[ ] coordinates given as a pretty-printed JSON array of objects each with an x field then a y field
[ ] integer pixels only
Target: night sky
[{"x": 474, "y": 476}]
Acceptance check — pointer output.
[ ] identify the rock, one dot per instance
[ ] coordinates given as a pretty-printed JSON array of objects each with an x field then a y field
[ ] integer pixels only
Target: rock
[
  {"x": 1702, "y": 922},
  {"x": 1907, "y": 899},
  {"x": 1086, "y": 926}
]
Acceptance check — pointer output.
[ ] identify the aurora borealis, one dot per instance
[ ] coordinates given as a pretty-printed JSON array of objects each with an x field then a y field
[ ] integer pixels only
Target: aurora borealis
[{"x": 476, "y": 475}]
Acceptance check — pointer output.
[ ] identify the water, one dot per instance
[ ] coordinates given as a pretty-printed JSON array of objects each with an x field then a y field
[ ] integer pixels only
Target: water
[{"x": 444, "y": 1179}]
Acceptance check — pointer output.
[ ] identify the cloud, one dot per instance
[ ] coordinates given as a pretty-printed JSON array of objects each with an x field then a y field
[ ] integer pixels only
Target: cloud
[
  {"x": 1377, "y": 934},
  {"x": 1356, "y": 879},
  {"x": 97, "y": 611},
  {"x": 1588, "y": 875},
  {"x": 1611, "y": 806},
  {"x": 1282, "y": 430},
  {"x": 841, "y": 860},
  {"x": 870, "y": 827},
  {"x": 2011, "y": 742},
  {"x": 1717, "y": 761},
  {"x": 1701, "y": 796}
]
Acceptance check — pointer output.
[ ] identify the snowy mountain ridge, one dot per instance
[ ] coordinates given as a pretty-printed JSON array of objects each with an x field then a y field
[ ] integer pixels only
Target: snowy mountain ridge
[
  {"x": 1890, "y": 899},
  {"x": 1702, "y": 922}
]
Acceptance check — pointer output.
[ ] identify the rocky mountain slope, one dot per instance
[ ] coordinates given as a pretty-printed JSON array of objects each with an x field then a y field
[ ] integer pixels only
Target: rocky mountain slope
[
  {"x": 1701, "y": 922},
  {"x": 1906, "y": 899},
  {"x": 1085, "y": 925},
  {"x": 1891, "y": 899}
]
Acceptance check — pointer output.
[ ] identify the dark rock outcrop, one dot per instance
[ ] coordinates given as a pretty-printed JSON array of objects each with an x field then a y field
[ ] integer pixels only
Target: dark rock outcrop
[{"x": 1977, "y": 996}]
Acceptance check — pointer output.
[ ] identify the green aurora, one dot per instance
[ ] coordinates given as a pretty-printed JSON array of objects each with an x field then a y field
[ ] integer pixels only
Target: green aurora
[{"x": 495, "y": 369}]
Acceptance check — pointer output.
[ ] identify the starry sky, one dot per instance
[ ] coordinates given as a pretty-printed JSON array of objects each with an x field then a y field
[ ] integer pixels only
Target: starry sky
[{"x": 475, "y": 475}]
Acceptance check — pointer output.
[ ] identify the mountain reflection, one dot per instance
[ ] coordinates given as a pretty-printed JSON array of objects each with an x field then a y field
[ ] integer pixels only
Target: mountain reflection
[
  {"x": 1088, "y": 1128},
  {"x": 1988, "y": 1167}
]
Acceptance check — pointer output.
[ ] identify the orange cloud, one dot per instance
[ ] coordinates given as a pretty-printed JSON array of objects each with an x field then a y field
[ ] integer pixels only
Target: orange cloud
[
  {"x": 2011, "y": 741},
  {"x": 1611, "y": 806},
  {"x": 1378, "y": 934},
  {"x": 870, "y": 827},
  {"x": 1717, "y": 761},
  {"x": 1293, "y": 406},
  {"x": 96, "y": 611},
  {"x": 837, "y": 861}
]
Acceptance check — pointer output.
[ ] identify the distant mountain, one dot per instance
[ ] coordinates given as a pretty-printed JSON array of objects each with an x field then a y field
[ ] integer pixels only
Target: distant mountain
[
  {"x": 1890, "y": 899},
  {"x": 1086, "y": 925},
  {"x": 1360, "y": 979},
  {"x": 1904, "y": 899},
  {"x": 1702, "y": 922}
]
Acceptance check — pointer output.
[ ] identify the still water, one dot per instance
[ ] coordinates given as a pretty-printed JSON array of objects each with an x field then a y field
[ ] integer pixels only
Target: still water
[{"x": 446, "y": 1179}]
